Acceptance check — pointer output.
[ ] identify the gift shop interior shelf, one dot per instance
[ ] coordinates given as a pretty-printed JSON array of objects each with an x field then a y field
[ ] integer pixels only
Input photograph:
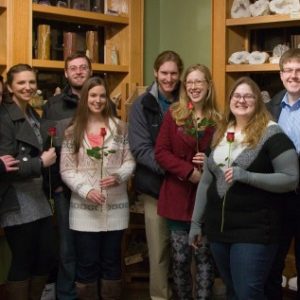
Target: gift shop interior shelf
[
  {"x": 74, "y": 16},
  {"x": 19, "y": 21},
  {"x": 260, "y": 33}
]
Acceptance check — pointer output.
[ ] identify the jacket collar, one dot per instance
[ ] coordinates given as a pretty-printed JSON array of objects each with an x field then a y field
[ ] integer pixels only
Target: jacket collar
[
  {"x": 274, "y": 105},
  {"x": 24, "y": 131},
  {"x": 69, "y": 96},
  {"x": 150, "y": 100}
]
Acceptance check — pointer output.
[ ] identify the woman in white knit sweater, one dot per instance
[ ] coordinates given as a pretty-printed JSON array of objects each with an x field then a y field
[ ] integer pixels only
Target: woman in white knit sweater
[{"x": 96, "y": 164}]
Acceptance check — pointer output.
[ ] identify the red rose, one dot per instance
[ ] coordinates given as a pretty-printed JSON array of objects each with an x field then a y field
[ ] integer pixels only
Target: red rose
[
  {"x": 190, "y": 105},
  {"x": 52, "y": 131},
  {"x": 230, "y": 137},
  {"x": 103, "y": 132}
]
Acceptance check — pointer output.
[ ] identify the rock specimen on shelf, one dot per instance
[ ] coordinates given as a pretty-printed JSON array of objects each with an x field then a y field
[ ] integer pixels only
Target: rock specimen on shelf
[
  {"x": 240, "y": 9},
  {"x": 259, "y": 8},
  {"x": 277, "y": 52},
  {"x": 292, "y": 284},
  {"x": 257, "y": 57},
  {"x": 280, "y": 49},
  {"x": 238, "y": 58},
  {"x": 265, "y": 96},
  {"x": 282, "y": 7}
]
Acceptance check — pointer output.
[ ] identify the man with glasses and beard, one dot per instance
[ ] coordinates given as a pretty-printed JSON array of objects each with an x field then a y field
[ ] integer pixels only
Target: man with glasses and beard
[{"x": 61, "y": 108}]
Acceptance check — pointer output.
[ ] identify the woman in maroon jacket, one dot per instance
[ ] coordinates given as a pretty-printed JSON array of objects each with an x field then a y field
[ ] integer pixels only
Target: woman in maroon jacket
[{"x": 183, "y": 142}]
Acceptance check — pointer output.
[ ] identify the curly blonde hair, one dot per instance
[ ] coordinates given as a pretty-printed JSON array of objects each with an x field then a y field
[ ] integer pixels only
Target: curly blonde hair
[
  {"x": 179, "y": 109},
  {"x": 257, "y": 123}
]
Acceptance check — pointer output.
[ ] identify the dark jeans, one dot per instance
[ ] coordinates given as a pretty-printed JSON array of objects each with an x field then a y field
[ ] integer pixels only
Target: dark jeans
[
  {"x": 244, "y": 268},
  {"x": 33, "y": 249},
  {"x": 98, "y": 255},
  {"x": 291, "y": 229},
  {"x": 65, "y": 285}
]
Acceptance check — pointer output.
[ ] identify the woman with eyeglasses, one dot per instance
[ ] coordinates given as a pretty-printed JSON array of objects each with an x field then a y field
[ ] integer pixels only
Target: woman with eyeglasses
[
  {"x": 239, "y": 198},
  {"x": 182, "y": 144}
]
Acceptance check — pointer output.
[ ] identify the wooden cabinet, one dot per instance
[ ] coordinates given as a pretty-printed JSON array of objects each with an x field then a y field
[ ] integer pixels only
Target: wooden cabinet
[
  {"x": 135, "y": 253},
  {"x": 17, "y": 26},
  {"x": 251, "y": 34}
]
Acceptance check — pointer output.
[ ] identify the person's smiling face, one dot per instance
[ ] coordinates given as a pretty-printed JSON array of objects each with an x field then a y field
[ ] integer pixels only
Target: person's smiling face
[
  {"x": 78, "y": 72},
  {"x": 167, "y": 77},
  {"x": 196, "y": 86},
  {"x": 242, "y": 102},
  {"x": 290, "y": 77},
  {"x": 23, "y": 86},
  {"x": 97, "y": 99}
]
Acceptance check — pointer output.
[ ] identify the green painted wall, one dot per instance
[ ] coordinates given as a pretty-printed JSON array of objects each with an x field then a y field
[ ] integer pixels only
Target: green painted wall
[{"x": 182, "y": 26}]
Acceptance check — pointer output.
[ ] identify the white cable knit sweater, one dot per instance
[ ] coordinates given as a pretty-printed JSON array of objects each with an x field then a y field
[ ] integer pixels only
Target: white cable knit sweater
[{"x": 84, "y": 176}]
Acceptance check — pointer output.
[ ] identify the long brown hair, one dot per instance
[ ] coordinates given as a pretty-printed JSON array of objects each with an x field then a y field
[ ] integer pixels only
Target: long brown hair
[
  {"x": 180, "y": 111},
  {"x": 257, "y": 123},
  {"x": 79, "y": 122}
]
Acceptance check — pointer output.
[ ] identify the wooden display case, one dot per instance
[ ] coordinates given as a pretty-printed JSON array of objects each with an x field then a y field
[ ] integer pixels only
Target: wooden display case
[
  {"x": 18, "y": 19},
  {"x": 250, "y": 34}
]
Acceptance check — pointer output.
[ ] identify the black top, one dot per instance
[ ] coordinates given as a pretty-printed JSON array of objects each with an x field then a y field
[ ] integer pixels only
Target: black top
[{"x": 251, "y": 214}]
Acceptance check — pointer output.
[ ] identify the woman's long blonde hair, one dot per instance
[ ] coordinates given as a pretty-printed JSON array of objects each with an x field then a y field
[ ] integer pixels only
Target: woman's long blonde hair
[
  {"x": 257, "y": 123},
  {"x": 180, "y": 111}
]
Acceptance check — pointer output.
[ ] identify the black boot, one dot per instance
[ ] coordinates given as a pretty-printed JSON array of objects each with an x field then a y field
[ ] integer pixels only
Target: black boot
[
  {"x": 17, "y": 290},
  {"x": 87, "y": 291},
  {"x": 110, "y": 289}
]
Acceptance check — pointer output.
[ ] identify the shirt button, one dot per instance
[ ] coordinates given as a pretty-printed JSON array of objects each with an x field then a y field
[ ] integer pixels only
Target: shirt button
[{"x": 25, "y": 159}]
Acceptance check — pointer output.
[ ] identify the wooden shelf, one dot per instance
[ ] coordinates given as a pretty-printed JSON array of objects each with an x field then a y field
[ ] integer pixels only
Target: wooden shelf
[
  {"x": 2, "y": 61},
  {"x": 18, "y": 23},
  {"x": 136, "y": 226},
  {"x": 250, "y": 34},
  {"x": 75, "y": 15},
  {"x": 3, "y": 4},
  {"x": 59, "y": 65},
  {"x": 252, "y": 68},
  {"x": 264, "y": 21},
  {"x": 138, "y": 270}
]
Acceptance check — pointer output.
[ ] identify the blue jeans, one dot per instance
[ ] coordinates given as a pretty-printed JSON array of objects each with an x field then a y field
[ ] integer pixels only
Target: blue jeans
[
  {"x": 65, "y": 285},
  {"x": 244, "y": 268},
  {"x": 98, "y": 255}
]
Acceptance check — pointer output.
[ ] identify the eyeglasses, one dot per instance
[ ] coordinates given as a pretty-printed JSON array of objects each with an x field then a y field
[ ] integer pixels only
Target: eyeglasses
[
  {"x": 82, "y": 68},
  {"x": 195, "y": 83},
  {"x": 246, "y": 97},
  {"x": 290, "y": 71}
]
